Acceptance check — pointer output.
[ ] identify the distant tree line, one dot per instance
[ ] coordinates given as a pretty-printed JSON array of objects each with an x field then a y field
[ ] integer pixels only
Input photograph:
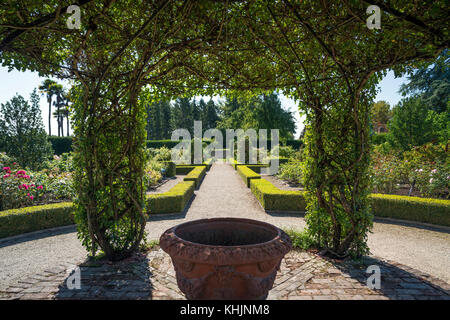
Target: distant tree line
[
  {"x": 259, "y": 112},
  {"x": 423, "y": 115}
]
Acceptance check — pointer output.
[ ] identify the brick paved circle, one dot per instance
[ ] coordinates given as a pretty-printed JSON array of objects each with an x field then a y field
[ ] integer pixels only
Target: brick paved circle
[{"x": 302, "y": 276}]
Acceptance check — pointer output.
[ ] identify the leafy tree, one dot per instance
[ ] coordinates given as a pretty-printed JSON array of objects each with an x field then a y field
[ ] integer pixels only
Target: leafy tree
[
  {"x": 381, "y": 113},
  {"x": 183, "y": 114},
  {"x": 431, "y": 82},
  {"x": 211, "y": 115},
  {"x": 154, "y": 121},
  {"x": 411, "y": 124},
  {"x": 260, "y": 112},
  {"x": 166, "y": 120},
  {"x": 22, "y": 131}
]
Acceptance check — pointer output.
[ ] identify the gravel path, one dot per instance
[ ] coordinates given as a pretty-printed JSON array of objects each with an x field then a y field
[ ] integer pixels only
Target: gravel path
[{"x": 224, "y": 194}]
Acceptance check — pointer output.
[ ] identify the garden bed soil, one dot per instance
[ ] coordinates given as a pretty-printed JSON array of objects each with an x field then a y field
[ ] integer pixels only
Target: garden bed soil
[{"x": 281, "y": 184}]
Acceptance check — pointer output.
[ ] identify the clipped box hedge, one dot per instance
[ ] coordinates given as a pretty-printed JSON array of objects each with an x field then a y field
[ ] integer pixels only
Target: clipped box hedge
[
  {"x": 247, "y": 174},
  {"x": 184, "y": 169},
  {"x": 426, "y": 210},
  {"x": 274, "y": 199},
  {"x": 22, "y": 220},
  {"x": 196, "y": 175},
  {"x": 172, "y": 201}
]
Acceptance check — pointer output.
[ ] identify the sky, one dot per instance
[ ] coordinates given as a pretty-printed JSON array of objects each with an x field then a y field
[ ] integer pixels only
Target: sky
[{"x": 23, "y": 83}]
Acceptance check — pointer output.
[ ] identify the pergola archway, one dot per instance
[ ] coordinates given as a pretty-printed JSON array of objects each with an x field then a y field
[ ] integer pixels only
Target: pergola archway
[{"x": 320, "y": 53}]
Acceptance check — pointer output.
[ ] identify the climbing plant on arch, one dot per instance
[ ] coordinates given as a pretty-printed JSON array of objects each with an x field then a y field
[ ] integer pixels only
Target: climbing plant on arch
[{"x": 320, "y": 53}]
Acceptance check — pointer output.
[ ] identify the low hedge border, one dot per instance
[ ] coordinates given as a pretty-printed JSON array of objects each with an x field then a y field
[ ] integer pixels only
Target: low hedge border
[
  {"x": 434, "y": 211},
  {"x": 197, "y": 174},
  {"x": 274, "y": 199},
  {"x": 184, "y": 169},
  {"x": 425, "y": 210},
  {"x": 247, "y": 174},
  {"x": 23, "y": 220},
  {"x": 172, "y": 201}
]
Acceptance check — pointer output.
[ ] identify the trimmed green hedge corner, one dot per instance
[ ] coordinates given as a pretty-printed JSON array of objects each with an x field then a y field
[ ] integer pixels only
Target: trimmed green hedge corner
[
  {"x": 172, "y": 201},
  {"x": 196, "y": 175},
  {"x": 18, "y": 221},
  {"x": 184, "y": 169},
  {"x": 426, "y": 210},
  {"x": 247, "y": 174},
  {"x": 274, "y": 199}
]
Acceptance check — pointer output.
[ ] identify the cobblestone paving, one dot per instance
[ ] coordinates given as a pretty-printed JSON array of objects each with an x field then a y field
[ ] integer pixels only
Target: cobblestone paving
[{"x": 302, "y": 276}]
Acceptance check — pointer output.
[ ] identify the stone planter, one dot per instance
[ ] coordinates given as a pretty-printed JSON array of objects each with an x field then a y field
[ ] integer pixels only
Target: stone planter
[{"x": 225, "y": 258}]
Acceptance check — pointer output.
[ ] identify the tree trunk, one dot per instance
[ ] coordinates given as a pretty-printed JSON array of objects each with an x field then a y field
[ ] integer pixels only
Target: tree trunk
[{"x": 49, "y": 116}]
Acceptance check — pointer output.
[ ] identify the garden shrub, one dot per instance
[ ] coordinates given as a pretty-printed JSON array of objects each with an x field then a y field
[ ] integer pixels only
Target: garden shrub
[
  {"x": 172, "y": 201},
  {"x": 196, "y": 175},
  {"x": 18, "y": 189},
  {"x": 18, "y": 221},
  {"x": 300, "y": 239},
  {"x": 426, "y": 210},
  {"x": 247, "y": 174},
  {"x": 60, "y": 145},
  {"x": 292, "y": 172},
  {"x": 170, "y": 168},
  {"x": 273, "y": 199},
  {"x": 379, "y": 138}
]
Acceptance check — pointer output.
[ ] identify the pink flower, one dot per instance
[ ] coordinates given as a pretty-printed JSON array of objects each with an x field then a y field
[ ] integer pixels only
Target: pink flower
[
  {"x": 6, "y": 176},
  {"x": 30, "y": 196},
  {"x": 6, "y": 168},
  {"x": 14, "y": 163},
  {"x": 21, "y": 172},
  {"x": 39, "y": 187}
]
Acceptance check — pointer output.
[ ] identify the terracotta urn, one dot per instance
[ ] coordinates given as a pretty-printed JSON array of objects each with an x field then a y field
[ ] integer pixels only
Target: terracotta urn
[{"x": 225, "y": 258}]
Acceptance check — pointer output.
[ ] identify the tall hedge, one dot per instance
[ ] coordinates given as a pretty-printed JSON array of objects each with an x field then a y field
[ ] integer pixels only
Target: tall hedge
[{"x": 60, "y": 145}]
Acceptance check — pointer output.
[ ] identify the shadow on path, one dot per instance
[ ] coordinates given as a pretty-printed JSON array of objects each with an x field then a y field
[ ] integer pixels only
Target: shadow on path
[
  {"x": 398, "y": 282},
  {"x": 126, "y": 279},
  {"x": 36, "y": 235},
  {"x": 412, "y": 224}
]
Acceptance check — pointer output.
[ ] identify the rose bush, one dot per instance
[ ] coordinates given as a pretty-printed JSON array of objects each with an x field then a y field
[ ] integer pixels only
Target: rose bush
[{"x": 17, "y": 189}]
